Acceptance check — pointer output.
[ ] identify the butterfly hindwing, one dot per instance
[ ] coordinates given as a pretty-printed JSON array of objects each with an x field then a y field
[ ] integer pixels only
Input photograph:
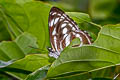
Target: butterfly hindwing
[{"x": 63, "y": 30}]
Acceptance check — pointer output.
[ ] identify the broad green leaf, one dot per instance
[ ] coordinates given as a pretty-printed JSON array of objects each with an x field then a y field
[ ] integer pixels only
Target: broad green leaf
[
  {"x": 14, "y": 18},
  {"x": 21, "y": 68},
  {"x": 9, "y": 1},
  {"x": 4, "y": 35},
  {"x": 79, "y": 17},
  {"x": 39, "y": 74},
  {"x": 38, "y": 13},
  {"x": 102, "y": 79},
  {"x": 108, "y": 73},
  {"x": 36, "y": 60},
  {"x": 12, "y": 50},
  {"x": 4, "y": 76},
  {"x": 32, "y": 19},
  {"x": 23, "y": 1},
  {"x": 103, "y": 53}
]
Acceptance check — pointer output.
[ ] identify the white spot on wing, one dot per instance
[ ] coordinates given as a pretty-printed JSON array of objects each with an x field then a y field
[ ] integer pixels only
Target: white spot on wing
[
  {"x": 56, "y": 20},
  {"x": 55, "y": 42},
  {"x": 77, "y": 35},
  {"x": 81, "y": 41},
  {"x": 50, "y": 12},
  {"x": 66, "y": 21},
  {"x": 73, "y": 33},
  {"x": 61, "y": 46},
  {"x": 63, "y": 25},
  {"x": 51, "y": 24},
  {"x": 55, "y": 38},
  {"x": 62, "y": 17},
  {"x": 54, "y": 32},
  {"x": 64, "y": 30},
  {"x": 73, "y": 28},
  {"x": 54, "y": 13},
  {"x": 67, "y": 40},
  {"x": 70, "y": 25},
  {"x": 81, "y": 44},
  {"x": 65, "y": 36},
  {"x": 59, "y": 14}
]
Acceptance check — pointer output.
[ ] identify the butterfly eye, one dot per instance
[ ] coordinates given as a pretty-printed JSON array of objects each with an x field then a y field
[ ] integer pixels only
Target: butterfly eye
[{"x": 62, "y": 31}]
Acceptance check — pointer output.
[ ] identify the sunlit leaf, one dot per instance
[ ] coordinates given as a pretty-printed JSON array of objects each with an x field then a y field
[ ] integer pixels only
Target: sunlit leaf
[
  {"x": 21, "y": 68},
  {"x": 39, "y": 74},
  {"x": 12, "y": 50},
  {"x": 103, "y": 53}
]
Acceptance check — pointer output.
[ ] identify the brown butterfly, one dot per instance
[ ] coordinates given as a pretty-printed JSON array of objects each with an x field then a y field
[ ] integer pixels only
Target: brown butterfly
[{"x": 63, "y": 30}]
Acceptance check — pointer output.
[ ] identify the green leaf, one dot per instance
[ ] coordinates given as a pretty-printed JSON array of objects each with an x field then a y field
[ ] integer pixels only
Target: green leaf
[
  {"x": 9, "y": 1},
  {"x": 4, "y": 35},
  {"x": 12, "y": 50},
  {"x": 38, "y": 17},
  {"x": 103, "y": 53},
  {"x": 101, "y": 79},
  {"x": 39, "y": 74},
  {"x": 21, "y": 68},
  {"x": 75, "y": 42},
  {"x": 23, "y": 1},
  {"x": 14, "y": 17},
  {"x": 104, "y": 73},
  {"x": 32, "y": 19},
  {"x": 79, "y": 17},
  {"x": 4, "y": 76},
  {"x": 15, "y": 20}
]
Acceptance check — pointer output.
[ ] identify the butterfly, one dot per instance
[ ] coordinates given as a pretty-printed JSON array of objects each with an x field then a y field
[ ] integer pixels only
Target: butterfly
[{"x": 62, "y": 30}]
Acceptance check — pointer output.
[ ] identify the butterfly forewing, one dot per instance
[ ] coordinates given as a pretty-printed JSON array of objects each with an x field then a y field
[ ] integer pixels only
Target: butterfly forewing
[{"x": 63, "y": 30}]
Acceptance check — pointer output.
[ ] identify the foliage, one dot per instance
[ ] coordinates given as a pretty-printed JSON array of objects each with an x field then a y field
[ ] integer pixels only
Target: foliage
[{"x": 24, "y": 37}]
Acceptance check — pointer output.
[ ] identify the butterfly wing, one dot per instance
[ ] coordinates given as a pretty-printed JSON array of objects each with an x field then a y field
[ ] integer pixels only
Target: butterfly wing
[{"x": 63, "y": 30}]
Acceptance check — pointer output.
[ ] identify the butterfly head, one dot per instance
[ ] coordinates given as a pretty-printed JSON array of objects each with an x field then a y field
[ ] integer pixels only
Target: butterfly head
[{"x": 53, "y": 53}]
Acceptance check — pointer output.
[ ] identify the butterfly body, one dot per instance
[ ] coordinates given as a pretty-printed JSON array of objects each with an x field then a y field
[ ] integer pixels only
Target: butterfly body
[{"x": 63, "y": 30}]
